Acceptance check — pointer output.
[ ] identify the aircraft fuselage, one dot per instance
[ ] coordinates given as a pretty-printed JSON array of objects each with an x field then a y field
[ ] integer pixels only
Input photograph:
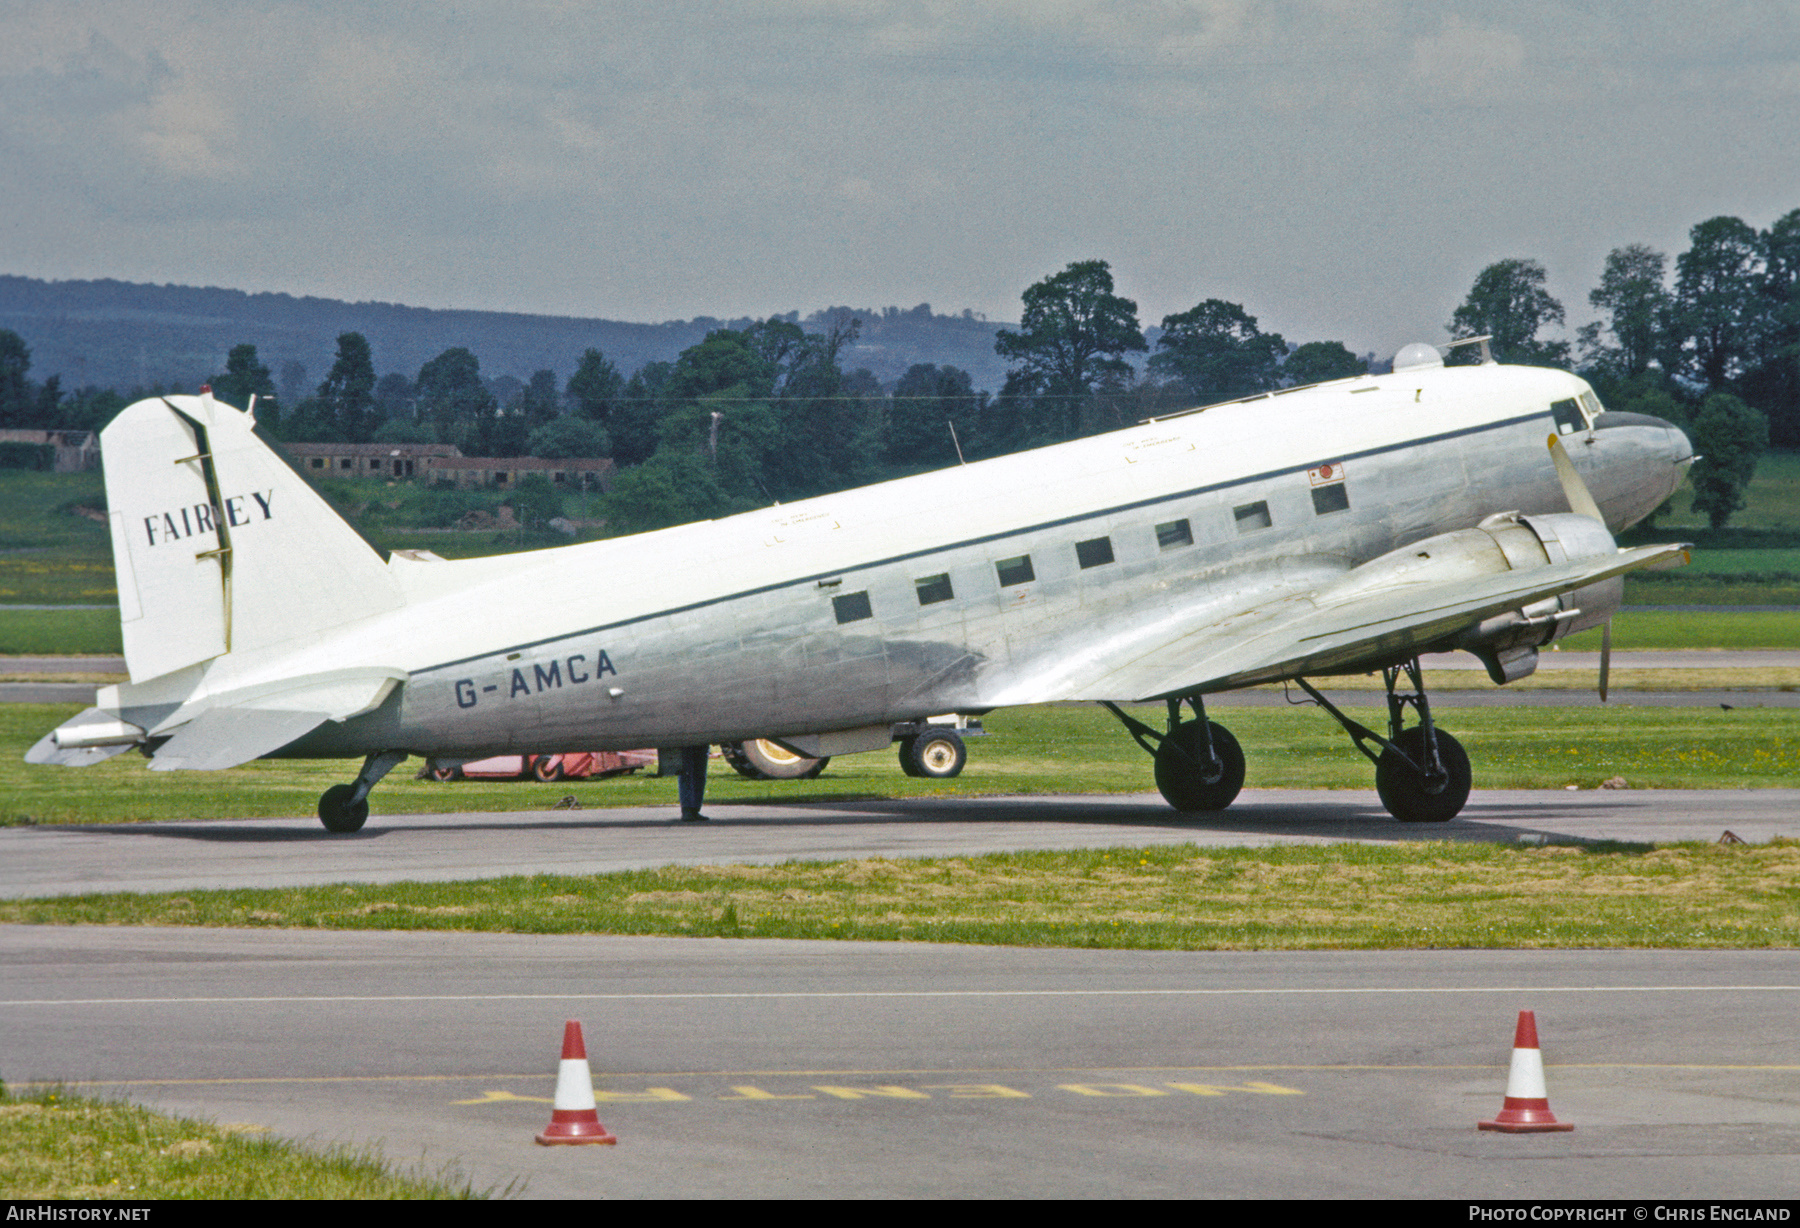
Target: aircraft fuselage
[{"x": 957, "y": 590}]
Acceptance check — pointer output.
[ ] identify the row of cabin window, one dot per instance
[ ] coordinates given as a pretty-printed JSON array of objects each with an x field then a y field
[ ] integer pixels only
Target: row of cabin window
[{"x": 1094, "y": 552}]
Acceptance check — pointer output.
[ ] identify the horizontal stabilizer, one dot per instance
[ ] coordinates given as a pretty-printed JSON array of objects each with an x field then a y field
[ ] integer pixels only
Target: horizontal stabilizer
[
  {"x": 255, "y": 723},
  {"x": 94, "y": 736},
  {"x": 226, "y": 737}
]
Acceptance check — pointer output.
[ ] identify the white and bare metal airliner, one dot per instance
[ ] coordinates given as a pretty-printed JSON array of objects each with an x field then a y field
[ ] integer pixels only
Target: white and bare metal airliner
[{"x": 1340, "y": 528}]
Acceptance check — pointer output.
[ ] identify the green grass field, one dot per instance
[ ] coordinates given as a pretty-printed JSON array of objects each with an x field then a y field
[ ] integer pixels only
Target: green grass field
[
  {"x": 1182, "y": 897},
  {"x": 1041, "y": 750},
  {"x": 58, "y": 1145}
]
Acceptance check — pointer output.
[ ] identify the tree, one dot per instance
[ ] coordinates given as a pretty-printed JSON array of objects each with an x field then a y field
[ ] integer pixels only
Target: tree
[
  {"x": 832, "y": 436},
  {"x": 634, "y": 418},
  {"x": 1773, "y": 384},
  {"x": 726, "y": 359},
  {"x": 1716, "y": 299},
  {"x": 539, "y": 401},
  {"x": 675, "y": 486},
  {"x": 1508, "y": 302},
  {"x": 927, "y": 400},
  {"x": 403, "y": 430},
  {"x": 394, "y": 397},
  {"x": 1317, "y": 362},
  {"x": 1729, "y": 435},
  {"x": 1217, "y": 351},
  {"x": 595, "y": 387},
  {"x": 568, "y": 436},
  {"x": 1636, "y": 304},
  {"x": 16, "y": 400},
  {"x": 1074, "y": 333},
  {"x": 452, "y": 397},
  {"x": 245, "y": 377},
  {"x": 348, "y": 393}
]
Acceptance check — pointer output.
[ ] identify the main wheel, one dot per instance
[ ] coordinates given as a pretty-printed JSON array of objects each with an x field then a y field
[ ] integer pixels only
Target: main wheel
[
  {"x": 903, "y": 750},
  {"x": 936, "y": 754},
  {"x": 547, "y": 768},
  {"x": 1413, "y": 798},
  {"x": 1187, "y": 780},
  {"x": 764, "y": 760},
  {"x": 338, "y": 813}
]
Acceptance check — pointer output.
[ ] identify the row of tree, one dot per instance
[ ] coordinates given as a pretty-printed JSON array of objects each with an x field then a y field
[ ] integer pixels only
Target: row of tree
[
  {"x": 767, "y": 412},
  {"x": 1716, "y": 350}
]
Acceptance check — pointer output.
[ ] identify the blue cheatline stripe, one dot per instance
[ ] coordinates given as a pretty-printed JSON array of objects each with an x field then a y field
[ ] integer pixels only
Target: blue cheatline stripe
[{"x": 994, "y": 537}]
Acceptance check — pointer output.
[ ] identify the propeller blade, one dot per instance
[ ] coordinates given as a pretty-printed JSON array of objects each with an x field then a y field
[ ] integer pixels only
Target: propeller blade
[
  {"x": 1574, "y": 489},
  {"x": 1605, "y": 656}
]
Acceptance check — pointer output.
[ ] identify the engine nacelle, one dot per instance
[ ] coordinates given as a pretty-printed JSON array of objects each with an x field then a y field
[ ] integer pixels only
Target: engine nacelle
[{"x": 1506, "y": 643}]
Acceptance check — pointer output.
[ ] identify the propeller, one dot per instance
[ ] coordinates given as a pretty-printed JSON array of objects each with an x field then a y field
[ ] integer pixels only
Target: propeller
[{"x": 1581, "y": 502}]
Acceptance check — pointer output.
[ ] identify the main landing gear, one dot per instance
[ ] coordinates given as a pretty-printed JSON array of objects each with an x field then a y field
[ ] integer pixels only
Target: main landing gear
[
  {"x": 345, "y": 808},
  {"x": 1422, "y": 773},
  {"x": 1199, "y": 765}
]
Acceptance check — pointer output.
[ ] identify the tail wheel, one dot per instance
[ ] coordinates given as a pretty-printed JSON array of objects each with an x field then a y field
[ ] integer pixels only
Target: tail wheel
[
  {"x": 937, "y": 754},
  {"x": 764, "y": 760},
  {"x": 1414, "y": 798},
  {"x": 337, "y": 811},
  {"x": 1188, "y": 780},
  {"x": 444, "y": 775},
  {"x": 548, "y": 768}
]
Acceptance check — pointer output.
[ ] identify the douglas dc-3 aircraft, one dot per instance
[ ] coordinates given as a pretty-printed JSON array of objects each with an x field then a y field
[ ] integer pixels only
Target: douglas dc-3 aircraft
[{"x": 1334, "y": 529}]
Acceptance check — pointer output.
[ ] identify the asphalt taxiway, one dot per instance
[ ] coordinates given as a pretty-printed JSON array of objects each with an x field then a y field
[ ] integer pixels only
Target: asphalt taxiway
[
  {"x": 827, "y": 1069},
  {"x": 183, "y": 856}
]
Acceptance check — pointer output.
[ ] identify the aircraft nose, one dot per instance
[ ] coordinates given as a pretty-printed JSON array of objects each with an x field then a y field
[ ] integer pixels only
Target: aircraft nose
[
  {"x": 1658, "y": 433},
  {"x": 1652, "y": 455}
]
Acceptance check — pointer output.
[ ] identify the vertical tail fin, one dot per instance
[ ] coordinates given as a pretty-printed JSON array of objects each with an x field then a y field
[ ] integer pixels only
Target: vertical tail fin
[{"x": 220, "y": 546}]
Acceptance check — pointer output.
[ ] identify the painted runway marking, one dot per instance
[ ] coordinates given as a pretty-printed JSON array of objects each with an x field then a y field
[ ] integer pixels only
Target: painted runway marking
[
  {"x": 910, "y": 993},
  {"x": 1054, "y": 1071},
  {"x": 751, "y": 1094}
]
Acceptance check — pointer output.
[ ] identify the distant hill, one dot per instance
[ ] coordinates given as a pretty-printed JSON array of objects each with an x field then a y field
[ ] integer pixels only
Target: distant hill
[{"x": 122, "y": 335}]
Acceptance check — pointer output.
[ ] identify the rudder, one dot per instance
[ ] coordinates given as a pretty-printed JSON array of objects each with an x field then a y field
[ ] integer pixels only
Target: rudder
[{"x": 219, "y": 546}]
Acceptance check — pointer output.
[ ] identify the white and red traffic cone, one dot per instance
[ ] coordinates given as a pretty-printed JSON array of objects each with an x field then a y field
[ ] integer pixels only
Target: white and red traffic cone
[
  {"x": 574, "y": 1120},
  {"x": 1526, "y": 1109}
]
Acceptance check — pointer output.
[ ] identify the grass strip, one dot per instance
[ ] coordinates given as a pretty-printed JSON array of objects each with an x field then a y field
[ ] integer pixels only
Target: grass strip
[
  {"x": 1432, "y": 894},
  {"x": 57, "y": 1145},
  {"x": 60, "y": 633},
  {"x": 1051, "y": 749},
  {"x": 1677, "y": 629}
]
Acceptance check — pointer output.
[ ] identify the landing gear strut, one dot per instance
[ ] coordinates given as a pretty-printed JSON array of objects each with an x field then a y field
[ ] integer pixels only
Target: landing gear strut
[
  {"x": 1199, "y": 765},
  {"x": 345, "y": 808},
  {"x": 1422, "y": 773}
]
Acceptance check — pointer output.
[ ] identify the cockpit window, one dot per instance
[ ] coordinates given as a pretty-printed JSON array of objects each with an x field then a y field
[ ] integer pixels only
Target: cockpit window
[
  {"x": 1591, "y": 403},
  {"x": 1568, "y": 417}
]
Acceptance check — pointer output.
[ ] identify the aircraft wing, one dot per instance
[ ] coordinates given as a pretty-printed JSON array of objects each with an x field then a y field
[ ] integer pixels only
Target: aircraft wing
[{"x": 1288, "y": 632}]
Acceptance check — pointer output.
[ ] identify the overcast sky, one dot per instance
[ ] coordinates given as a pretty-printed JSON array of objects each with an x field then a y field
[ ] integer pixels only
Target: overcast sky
[{"x": 1343, "y": 168}]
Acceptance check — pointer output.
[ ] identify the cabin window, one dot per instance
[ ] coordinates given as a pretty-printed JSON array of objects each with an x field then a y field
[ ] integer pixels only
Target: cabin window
[
  {"x": 1174, "y": 535},
  {"x": 1332, "y": 498},
  {"x": 1252, "y": 516},
  {"x": 345, "y": 463},
  {"x": 852, "y": 607},
  {"x": 1094, "y": 552},
  {"x": 318, "y": 462},
  {"x": 1568, "y": 417},
  {"x": 1015, "y": 571},
  {"x": 933, "y": 589}
]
